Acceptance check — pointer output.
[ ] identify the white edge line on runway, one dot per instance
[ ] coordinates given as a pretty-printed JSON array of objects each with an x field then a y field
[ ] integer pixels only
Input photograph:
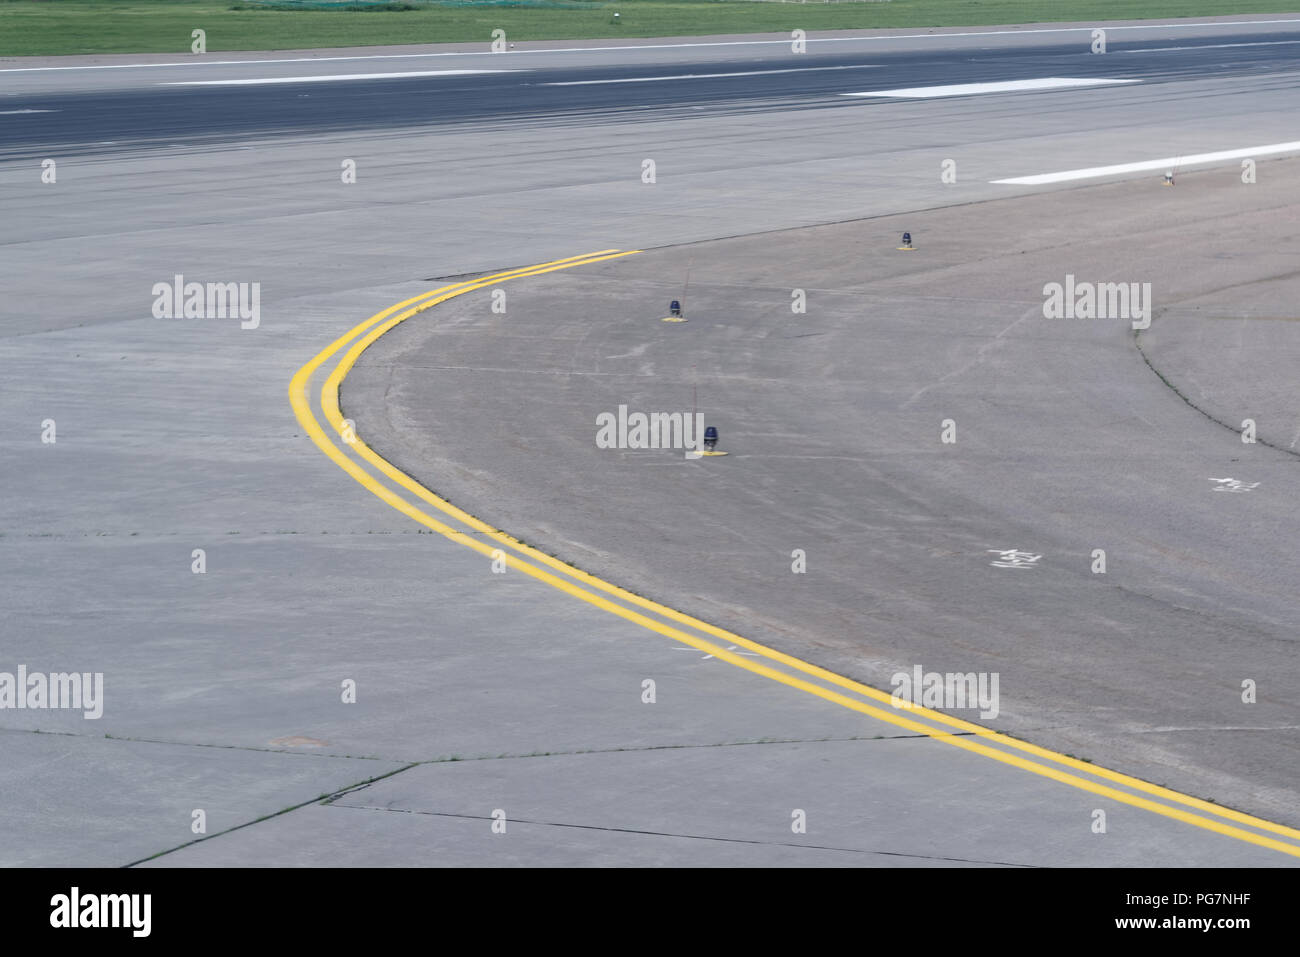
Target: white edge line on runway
[
  {"x": 262, "y": 81},
  {"x": 658, "y": 46},
  {"x": 711, "y": 76},
  {"x": 1005, "y": 86},
  {"x": 1168, "y": 163},
  {"x": 19, "y": 112},
  {"x": 1212, "y": 46}
]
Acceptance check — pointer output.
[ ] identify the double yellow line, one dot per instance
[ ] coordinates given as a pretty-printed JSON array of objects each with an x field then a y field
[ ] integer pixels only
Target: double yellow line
[{"x": 461, "y": 527}]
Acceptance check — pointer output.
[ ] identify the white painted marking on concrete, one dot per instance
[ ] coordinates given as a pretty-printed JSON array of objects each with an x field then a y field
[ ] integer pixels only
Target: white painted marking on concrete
[
  {"x": 261, "y": 81},
  {"x": 1233, "y": 485},
  {"x": 747, "y": 654},
  {"x": 20, "y": 112},
  {"x": 1006, "y": 86},
  {"x": 1212, "y": 46},
  {"x": 665, "y": 46},
  {"x": 710, "y": 76},
  {"x": 1013, "y": 558},
  {"x": 1168, "y": 162}
]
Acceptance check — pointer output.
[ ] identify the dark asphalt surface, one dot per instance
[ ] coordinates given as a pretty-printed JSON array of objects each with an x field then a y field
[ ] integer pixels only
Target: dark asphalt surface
[{"x": 160, "y": 114}]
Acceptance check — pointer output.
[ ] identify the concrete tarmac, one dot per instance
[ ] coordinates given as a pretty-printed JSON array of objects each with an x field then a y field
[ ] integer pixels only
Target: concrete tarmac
[
  {"x": 1065, "y": 442},
  {"x": 224, "y": 691}
]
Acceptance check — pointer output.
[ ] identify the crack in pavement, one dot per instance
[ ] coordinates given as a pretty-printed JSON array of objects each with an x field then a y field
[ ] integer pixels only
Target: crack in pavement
[{"x": 691, "y": 837}]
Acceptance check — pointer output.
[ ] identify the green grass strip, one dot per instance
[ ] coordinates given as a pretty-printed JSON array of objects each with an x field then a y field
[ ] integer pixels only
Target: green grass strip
[{"x": 50, "y": 27}]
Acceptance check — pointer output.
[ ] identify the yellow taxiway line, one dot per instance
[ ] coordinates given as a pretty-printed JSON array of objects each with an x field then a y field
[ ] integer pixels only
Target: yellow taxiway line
[{"x": 963, "y": 734}]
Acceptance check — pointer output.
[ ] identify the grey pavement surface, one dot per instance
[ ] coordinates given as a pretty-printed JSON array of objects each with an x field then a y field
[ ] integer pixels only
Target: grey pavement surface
[
  {"x": 1221, "y": 343},
  {"x": 672, "y": 807},
  {"x": 1066, "y": 442},
  {"x": 223, "y": 689}
]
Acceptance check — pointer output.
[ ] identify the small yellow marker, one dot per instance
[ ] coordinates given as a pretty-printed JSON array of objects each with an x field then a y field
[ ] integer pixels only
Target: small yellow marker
[{"x": 710, "y": 442}]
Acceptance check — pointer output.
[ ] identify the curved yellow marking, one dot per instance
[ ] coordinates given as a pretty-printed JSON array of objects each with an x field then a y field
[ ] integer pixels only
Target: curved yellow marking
[{"x": 373, "y": 329}]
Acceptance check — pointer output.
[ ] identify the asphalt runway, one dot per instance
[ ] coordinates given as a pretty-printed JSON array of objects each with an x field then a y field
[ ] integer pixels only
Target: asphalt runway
[
  {"x": 155, "y": 106},
  {"x": 478, "y": 691}
]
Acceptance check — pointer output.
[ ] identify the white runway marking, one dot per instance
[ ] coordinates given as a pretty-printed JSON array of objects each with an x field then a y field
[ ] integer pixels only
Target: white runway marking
[
  {"x": 20, "y": 112},
  {"x": 1168, "y": 163},
  {"x": 661, "y": 46},
  {"x": 1213, "y": 46},
  {"x": 1006, "y": 86},
  {"x": 710, "y": 76},
  {"x": 259, "y": 81}
]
